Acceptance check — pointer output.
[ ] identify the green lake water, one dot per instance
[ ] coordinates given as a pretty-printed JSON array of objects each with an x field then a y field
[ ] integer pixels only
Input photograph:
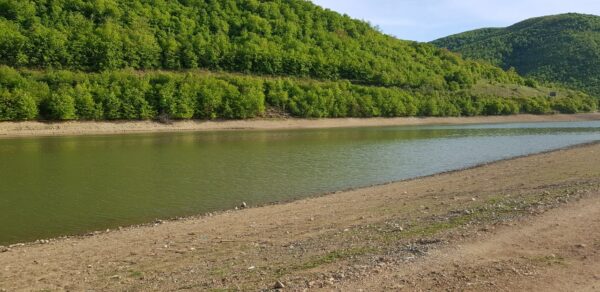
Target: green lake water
[{"x": 56, "y": 186}]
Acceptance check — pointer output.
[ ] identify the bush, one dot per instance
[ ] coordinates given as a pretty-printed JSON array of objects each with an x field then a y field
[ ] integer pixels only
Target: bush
[
  {"x": 132, "y": 94},
  {"x": 209, "y": 97},
  {"x": 60, "y": 106},
  {"x": 248, "y": 103},
  {"x": 85, "y": 106},
  {"x": 17, "y": 106}
]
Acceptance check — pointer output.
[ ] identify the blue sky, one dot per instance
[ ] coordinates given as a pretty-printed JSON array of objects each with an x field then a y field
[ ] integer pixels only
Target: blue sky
[{"x": 426, "y": 20}]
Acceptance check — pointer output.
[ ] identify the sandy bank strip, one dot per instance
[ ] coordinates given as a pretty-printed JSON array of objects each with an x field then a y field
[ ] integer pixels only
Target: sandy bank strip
[{"x": 27, "y": 129}]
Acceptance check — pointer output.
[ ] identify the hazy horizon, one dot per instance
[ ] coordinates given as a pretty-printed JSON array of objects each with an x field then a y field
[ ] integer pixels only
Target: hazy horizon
[{"x": 432, "y": 19}]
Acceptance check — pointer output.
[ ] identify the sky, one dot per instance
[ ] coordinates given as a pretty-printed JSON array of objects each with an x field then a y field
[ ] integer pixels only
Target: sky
[{"x": 427, "y": 20}]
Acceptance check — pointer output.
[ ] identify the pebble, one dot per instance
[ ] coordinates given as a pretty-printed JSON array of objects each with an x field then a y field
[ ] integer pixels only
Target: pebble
[
  {"x": 3, "y": 248},
  {"x": 279, "y": 285},
  {"x": 244, "y": 205},
  {"x": 581, "y": 245}
]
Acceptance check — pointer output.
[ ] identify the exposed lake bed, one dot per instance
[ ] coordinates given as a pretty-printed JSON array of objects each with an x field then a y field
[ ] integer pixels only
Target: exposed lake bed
[{"x": 77, "y": 128}]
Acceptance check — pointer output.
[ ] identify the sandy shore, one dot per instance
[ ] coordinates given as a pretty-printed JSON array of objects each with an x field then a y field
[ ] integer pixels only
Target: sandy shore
[
  {"x": 23, "y": 129},
  {"x": 531, "y": 223}
]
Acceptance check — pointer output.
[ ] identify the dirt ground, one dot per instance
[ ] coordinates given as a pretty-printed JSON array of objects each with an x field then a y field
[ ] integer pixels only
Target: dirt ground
[
  {"x": 25, "y": 129},
  {"x": 530, "y": 223}
]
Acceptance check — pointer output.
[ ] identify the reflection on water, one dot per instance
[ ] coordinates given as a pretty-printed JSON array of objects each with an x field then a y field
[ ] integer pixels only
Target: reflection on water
[{"x": 66, "y": 185}]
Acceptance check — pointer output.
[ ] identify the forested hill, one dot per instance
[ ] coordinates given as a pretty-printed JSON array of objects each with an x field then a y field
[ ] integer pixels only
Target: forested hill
[
  {"x": 273, "y": 37},
  {"x": 232, "y": 59},
  {"x": 561, "y": 48}
]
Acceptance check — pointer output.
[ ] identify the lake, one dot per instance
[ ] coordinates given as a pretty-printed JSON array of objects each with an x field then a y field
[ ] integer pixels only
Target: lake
[{"x": 52, "y": 186}]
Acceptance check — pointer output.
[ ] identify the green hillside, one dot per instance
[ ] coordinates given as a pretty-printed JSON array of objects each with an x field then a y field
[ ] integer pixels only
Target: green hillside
[
  {"x": 111, "y": 59},
  {"x": 561, "y": 48}
]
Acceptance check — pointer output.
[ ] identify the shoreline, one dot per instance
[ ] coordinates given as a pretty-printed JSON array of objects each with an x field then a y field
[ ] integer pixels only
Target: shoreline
[
  {"x": 201, "y": 216},
  {"x": 240, "y": 244},
  {"x": 82, "y": 128}
]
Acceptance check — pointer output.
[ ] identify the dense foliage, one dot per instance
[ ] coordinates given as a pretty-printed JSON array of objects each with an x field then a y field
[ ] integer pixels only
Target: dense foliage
[
  {"x": 130, "y": 95},
  {"x": 561, "y": 48},
  {"x": 121, "y": 60},
  {"x": 267, "y": 37}
]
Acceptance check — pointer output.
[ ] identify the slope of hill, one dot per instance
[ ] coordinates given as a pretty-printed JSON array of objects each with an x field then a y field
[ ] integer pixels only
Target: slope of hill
[
  {"x": 561, "y": 48},
  {"x": 277, "y": 37},
  {"x": 83, "y": 59}
]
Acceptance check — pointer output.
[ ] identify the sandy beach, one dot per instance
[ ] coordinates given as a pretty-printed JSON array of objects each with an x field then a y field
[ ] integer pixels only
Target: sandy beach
[{"x": 31, "y": 128}]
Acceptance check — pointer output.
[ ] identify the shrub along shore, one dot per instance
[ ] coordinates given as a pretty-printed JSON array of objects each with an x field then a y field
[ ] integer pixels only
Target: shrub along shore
[{"x": 134, "y": 95}]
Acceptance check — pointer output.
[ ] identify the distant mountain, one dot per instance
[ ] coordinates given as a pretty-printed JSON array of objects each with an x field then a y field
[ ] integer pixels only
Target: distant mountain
[{"x": 561, "y": 48}]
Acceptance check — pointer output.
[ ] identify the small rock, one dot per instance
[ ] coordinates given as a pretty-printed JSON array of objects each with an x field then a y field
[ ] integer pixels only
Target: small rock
[
  {"x": 115, "y": 277},
  {"x": 473, "y": 199},
  {"x": 581, "y": 245},
  {"x": 244, "y": 205},
  {"x": 3, "y": 249},
  {"x": 279, "y": 285},
  {"x": 251, "y": 268},
  {"x": 236, "y": 208}
]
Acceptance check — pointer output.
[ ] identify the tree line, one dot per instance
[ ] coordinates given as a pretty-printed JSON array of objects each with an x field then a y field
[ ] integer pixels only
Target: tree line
[{"x": 134, "y": 95}]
